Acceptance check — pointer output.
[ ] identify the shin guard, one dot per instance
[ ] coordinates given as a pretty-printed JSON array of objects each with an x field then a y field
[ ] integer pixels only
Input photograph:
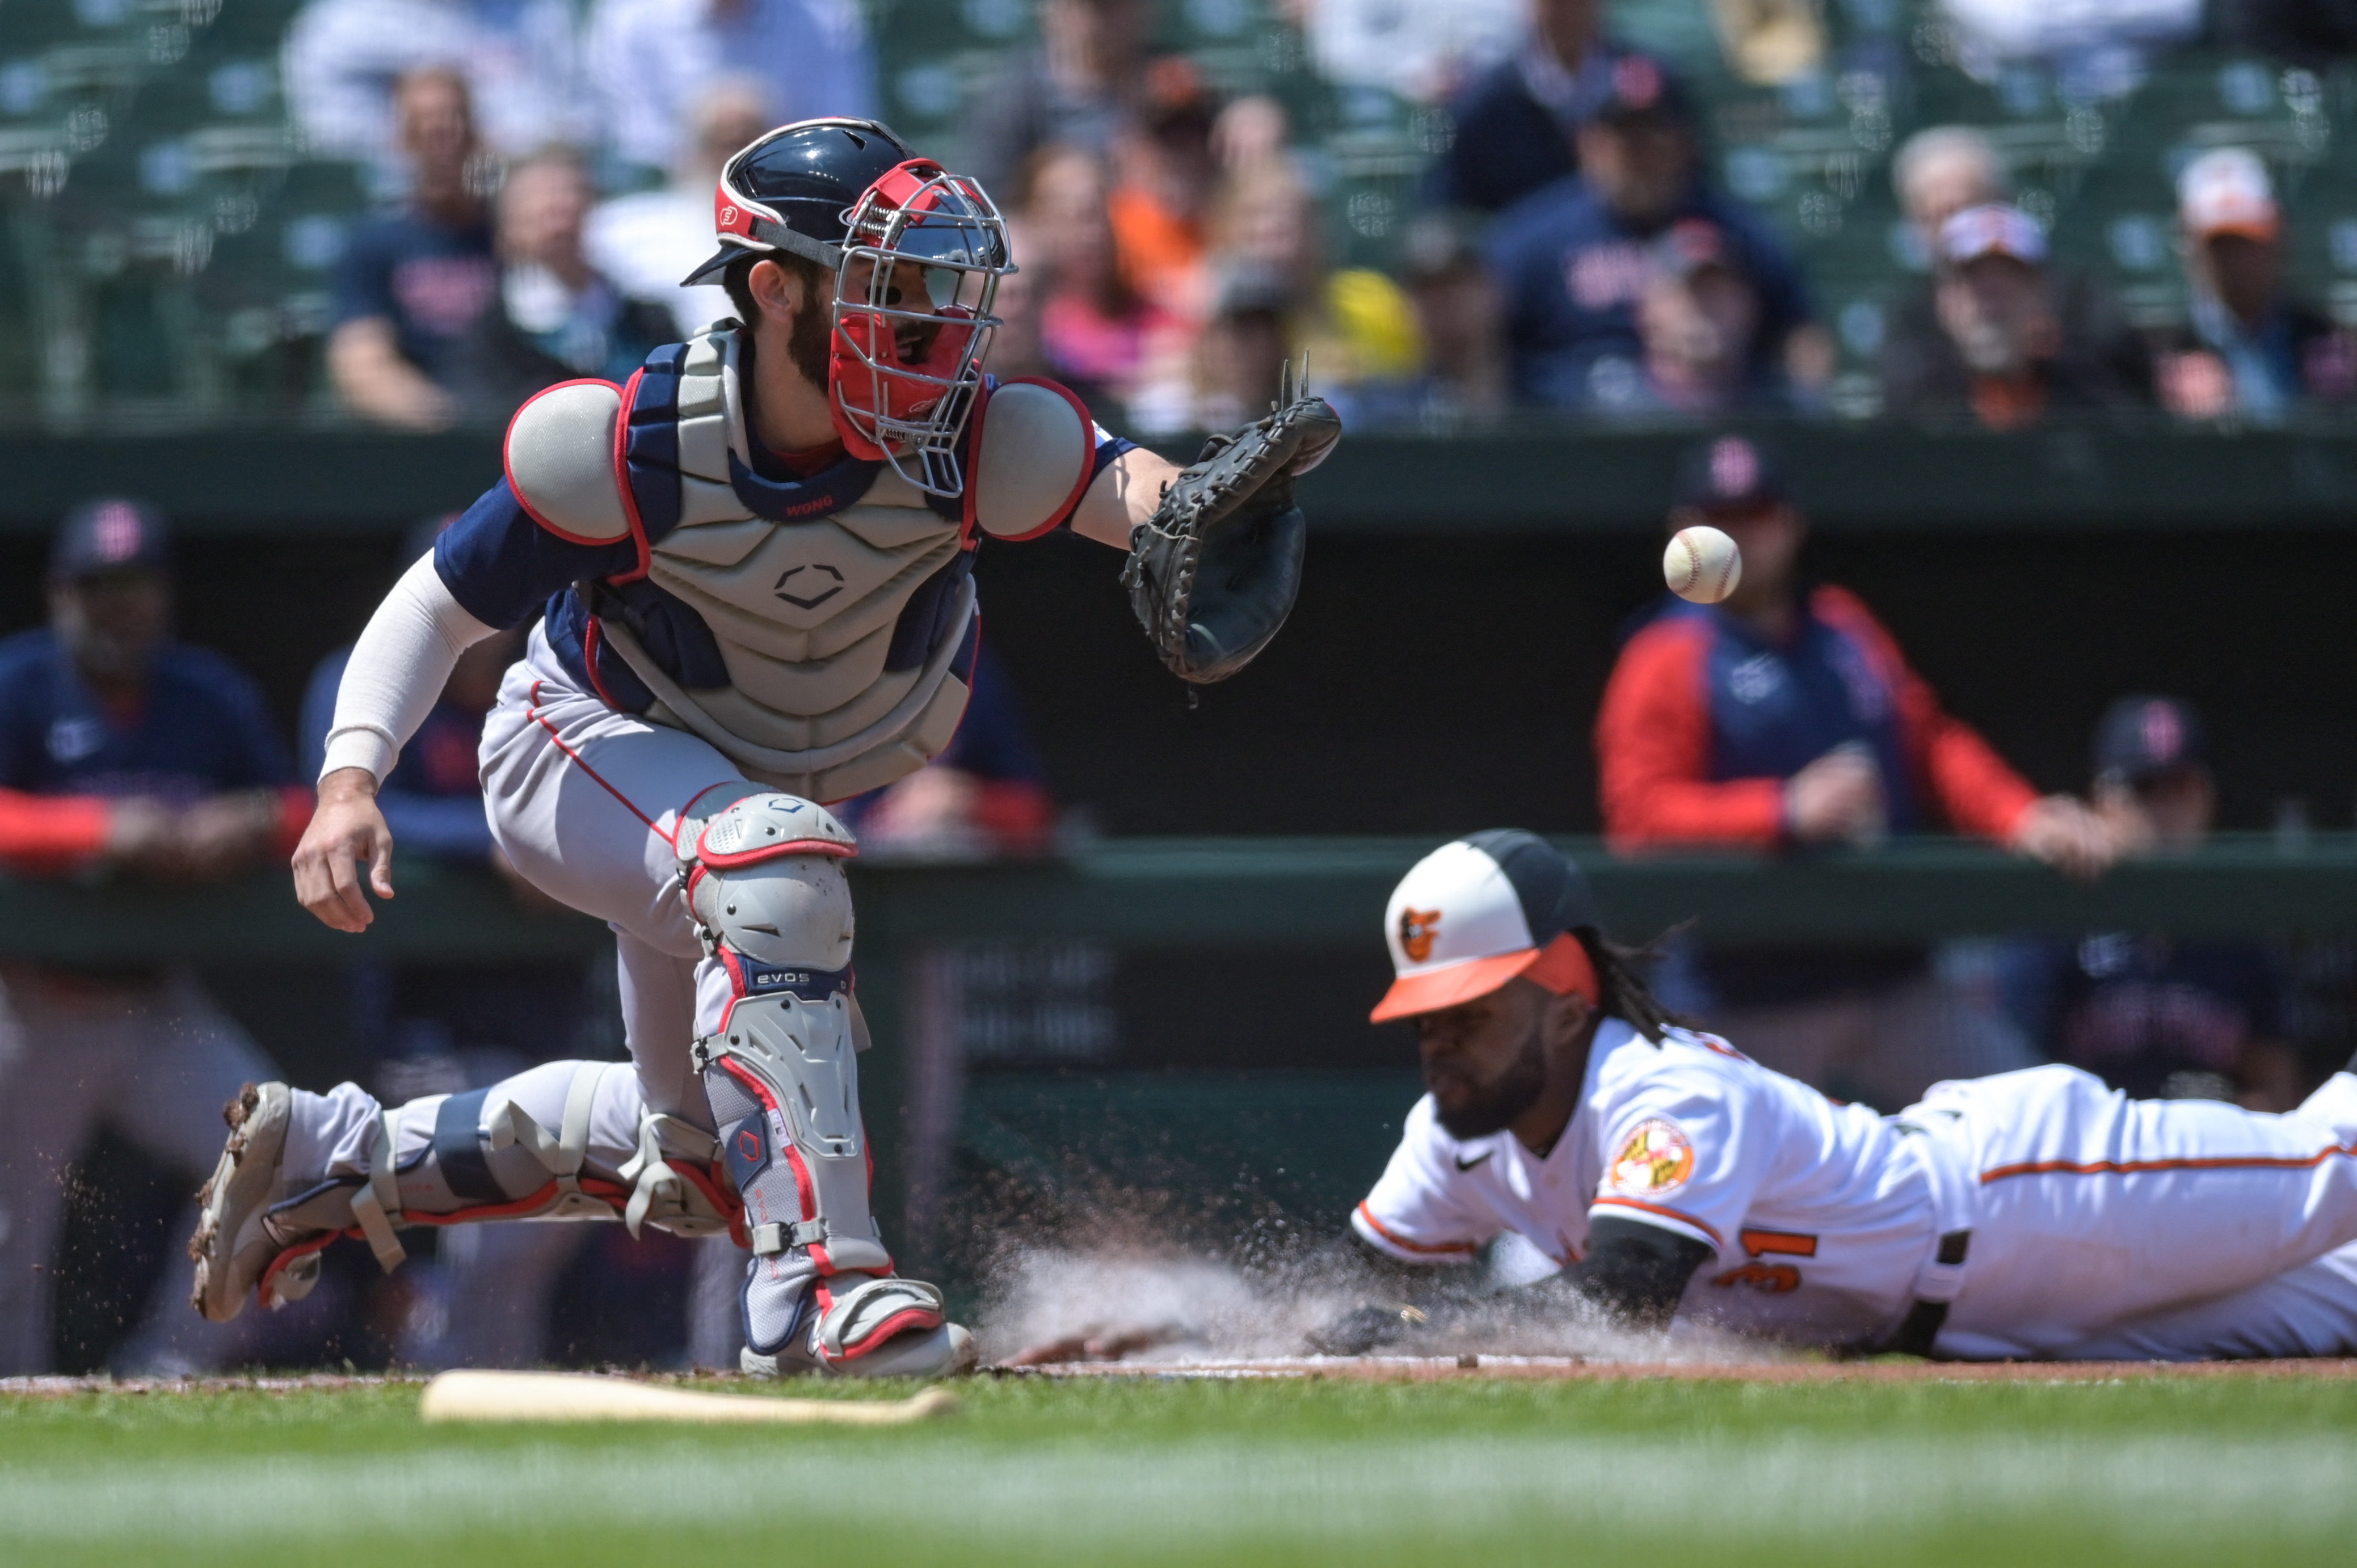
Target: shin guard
[{"x": 783, "y": 1075}]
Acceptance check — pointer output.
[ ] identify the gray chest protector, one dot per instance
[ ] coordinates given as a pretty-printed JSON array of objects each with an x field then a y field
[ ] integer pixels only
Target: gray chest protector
[{"x": 804, "y": 612}]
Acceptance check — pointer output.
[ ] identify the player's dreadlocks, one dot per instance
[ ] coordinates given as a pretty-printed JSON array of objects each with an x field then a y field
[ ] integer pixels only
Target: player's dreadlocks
[{"x": 1620, "y": 982}]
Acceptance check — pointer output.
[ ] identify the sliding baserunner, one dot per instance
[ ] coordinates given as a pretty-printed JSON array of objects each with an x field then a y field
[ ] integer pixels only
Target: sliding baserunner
[
  {"x": 2031, "y": 1214},
  {"x": 756, "y": 559}
]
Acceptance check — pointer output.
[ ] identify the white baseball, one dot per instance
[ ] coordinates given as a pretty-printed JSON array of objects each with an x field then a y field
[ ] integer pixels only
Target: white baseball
[{"x": 1702, "y": 564}]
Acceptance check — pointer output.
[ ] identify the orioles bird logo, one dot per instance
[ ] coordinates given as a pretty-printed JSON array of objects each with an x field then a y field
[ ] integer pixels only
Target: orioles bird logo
[
  {"x": 1656, "y": 1158},
  {"x": 1417, "y": 927}
]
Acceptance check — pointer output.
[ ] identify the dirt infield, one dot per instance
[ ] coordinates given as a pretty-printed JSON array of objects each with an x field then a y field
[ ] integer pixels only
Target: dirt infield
[
  {"x": 1566, "y": 1368},
  {"x": 1362, "y": 1369}
]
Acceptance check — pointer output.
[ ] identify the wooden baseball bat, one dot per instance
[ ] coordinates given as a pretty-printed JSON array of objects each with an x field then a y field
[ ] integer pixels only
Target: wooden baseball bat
[{"x": 576, "y": 1396}]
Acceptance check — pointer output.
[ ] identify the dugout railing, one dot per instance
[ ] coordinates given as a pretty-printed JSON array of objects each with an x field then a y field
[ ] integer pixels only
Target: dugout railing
[{"x": 1530, "y": 477}]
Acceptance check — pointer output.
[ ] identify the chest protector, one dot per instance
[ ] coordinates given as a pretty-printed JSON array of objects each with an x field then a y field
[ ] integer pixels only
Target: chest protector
[{"x": 834, "y": 687}]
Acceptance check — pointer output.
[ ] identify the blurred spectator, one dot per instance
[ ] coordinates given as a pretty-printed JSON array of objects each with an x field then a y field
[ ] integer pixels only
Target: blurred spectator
[
  {"x": 346, "y": 60},
  {"x": 2100, "y": 47},
  {"x": 1423, "y": 52},
  {"x": 2000, "y": 352},
  {"x": 1076, "y": 88},
  {"x": 649, "y": 240},
  {"x": 1516, "y": 124},
  {"x": 651, "y": 63},
  {"x": 1167, "y": 172},
  {"x": 1787, "y": 717},
  {"x": 437, "y": 1027},
  {"x": 557, "y": 318},
  {"x": 1771, "y": 42},
  {"x": 1241, "y": 355},
  {"x": 983, "y": 798},
  {"x": 1095, "y": 332},
  {"x": 122, "y": 754},
  {"x": 1938, "y": 173},
  {"x": 412, "y": 283},
  {"x": 1016, "y": 347},
  {"x": 1576, "y": 258},
  {"x": 2247, "y": 350},
  {"x": 1698, "y": 321},
  {"x": 2160, "y": 1018},
  {"x": 1457, "y": 314},
  {"x": 1274, "y": 299}
]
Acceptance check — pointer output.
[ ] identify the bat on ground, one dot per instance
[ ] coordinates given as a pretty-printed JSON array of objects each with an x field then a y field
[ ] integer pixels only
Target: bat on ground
[{"x": 575, "y": 1396}]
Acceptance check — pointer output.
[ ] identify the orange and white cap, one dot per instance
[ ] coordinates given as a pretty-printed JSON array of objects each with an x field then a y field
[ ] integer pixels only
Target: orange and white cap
[
  {"x": 1479, "y": 912},
  {"x": 2226, "y": 191}
]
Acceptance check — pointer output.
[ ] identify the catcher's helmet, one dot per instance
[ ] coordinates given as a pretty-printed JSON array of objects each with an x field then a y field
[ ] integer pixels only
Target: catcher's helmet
[
  {"x": 793, "y": 188},
  {"x": 917, "y": 253}
]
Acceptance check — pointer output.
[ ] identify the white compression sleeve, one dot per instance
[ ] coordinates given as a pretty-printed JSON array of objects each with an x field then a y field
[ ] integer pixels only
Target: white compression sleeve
[{"x": 397, "y": 670}]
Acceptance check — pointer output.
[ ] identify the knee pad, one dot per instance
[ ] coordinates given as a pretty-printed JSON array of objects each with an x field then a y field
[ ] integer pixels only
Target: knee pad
[{"x": 686, "y": 1198}]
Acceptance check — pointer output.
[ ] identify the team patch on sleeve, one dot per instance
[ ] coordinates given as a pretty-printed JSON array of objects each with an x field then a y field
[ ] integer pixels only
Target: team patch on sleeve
[{"x": 1656, "y": 1158}]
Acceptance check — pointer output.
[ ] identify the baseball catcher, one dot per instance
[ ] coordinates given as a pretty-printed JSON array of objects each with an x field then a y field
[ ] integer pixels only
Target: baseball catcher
[
  {"x": 1666, "y": 1178},
  {"x": 756, "y": 559}
]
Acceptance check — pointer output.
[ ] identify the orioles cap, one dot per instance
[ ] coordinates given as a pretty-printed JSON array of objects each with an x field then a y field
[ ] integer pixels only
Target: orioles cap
[
  {"x": 1480, "y": 911},
  {"x": 2226, "y": 191}
]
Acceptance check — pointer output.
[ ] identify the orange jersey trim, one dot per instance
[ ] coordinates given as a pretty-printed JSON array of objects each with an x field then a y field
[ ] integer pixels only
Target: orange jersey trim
[
  {"x": 2134, "y": 1167},
  {"x": 1716, "y": 1238},
  {"x": 1446, "y": 1249}
]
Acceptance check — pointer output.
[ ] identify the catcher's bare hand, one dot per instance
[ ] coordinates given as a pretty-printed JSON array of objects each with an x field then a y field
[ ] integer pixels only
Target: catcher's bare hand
[{"x": 347, "y": 828}]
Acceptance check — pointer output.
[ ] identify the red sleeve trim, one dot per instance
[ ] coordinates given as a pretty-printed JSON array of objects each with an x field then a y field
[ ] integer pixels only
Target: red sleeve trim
[
  {"x": 1422, "y": 1249},
  {"x": 51, "y": 834},
  {"x": 1656, "y": 1209},
  {"x": 1952, "y": 766},
  {"x": 295, "y": 804},
  {"x": 508, "y": 473},
  {"x": 1653, "y": 749},
  {"x": 1018, "y": 814}
]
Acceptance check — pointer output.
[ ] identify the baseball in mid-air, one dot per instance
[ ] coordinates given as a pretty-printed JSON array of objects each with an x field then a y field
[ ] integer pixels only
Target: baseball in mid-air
[{"x": 1702, "y": 564}]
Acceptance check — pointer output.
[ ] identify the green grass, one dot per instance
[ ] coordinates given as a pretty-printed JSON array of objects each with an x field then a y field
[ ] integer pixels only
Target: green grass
[{"x": 2149, "y": 1473}]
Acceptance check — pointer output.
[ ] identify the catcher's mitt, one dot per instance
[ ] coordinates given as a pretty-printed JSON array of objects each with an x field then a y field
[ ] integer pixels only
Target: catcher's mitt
[{"x": 1211, "y": 575}]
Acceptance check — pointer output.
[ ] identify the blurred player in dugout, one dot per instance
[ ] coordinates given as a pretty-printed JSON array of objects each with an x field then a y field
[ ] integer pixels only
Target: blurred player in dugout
[
  {"x": 1786, "y": 717},
  {"x": 2155, "y": 1016},
  {"x": 123, "y": 755},
  {"x": 434, "y": 1028}
]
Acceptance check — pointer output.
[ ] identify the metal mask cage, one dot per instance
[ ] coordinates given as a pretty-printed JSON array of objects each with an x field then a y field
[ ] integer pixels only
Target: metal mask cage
[{"x": 947, "y": 230}]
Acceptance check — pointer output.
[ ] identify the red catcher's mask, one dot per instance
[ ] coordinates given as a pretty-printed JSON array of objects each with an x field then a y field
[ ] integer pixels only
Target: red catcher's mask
[{"x": 921, "y": 261}]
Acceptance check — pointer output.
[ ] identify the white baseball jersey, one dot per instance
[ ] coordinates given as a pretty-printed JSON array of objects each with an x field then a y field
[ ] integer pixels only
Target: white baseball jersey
[
  {"x": 2091, "y": 1215},
  {"x": 1822, "y": 1215}
]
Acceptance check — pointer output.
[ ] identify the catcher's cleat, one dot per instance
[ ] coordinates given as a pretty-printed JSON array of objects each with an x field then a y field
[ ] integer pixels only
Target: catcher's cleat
[
  {"x": 944, "y": 1351},
  {"x": 239, "y": 1247}
]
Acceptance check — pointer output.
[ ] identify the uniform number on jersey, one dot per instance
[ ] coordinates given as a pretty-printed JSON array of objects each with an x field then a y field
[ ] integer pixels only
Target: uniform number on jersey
[{"x": 1776, "y": 1279}]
